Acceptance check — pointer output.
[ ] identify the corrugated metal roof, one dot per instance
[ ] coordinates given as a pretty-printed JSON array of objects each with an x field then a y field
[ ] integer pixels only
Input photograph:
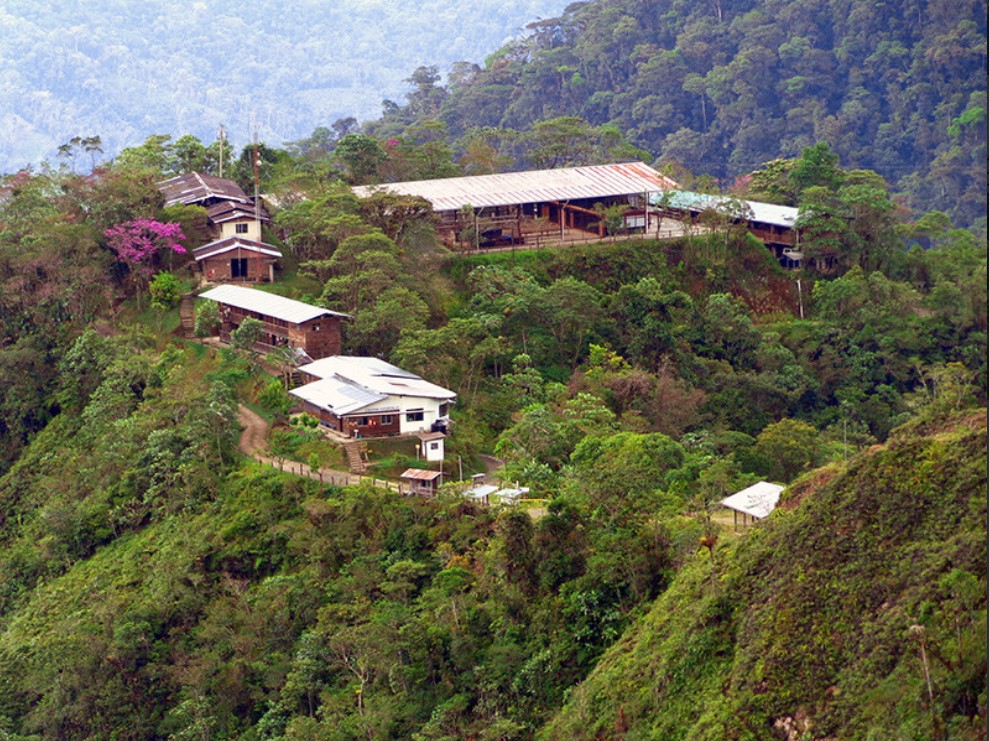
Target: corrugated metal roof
[
  {"x": 231, "y": 210},
  {"x": 269, "y": 304},
  {"x": 194, "y": 187},
  {"x": 376, "y": 375},
  {"x": 480, "y": 492},
  {"x": 534, "y": 186},
  {"x": 757, "y": 500},
  {"x": 337, "y": 396},
  {"x": 419, "y": 474},
  {"x": 767, "y": 213},
  {"x": 229, "y": 244}
]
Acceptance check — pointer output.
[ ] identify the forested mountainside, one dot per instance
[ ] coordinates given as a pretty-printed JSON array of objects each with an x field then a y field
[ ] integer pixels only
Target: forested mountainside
[
  {"x": 155, "y": 583},
  {"x": 723, "y": 87},
  {"x": 859, "y": 612},
  {"x": 126, "y": 69}
]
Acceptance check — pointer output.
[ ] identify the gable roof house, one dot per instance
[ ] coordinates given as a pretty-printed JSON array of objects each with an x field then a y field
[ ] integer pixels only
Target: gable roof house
[
  {"x": 533, "y": 207},
  {"x": 238, "y": 252},
  {"x": 314, "y": 332},
  {"x": 367, "y": 397}
]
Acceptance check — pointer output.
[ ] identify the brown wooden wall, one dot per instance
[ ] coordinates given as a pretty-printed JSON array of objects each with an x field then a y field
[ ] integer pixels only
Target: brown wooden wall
[
  {"x": 217, "y": 269},
  {"x": 319, "y": 337},
  {"x": 373, "y": 426}
]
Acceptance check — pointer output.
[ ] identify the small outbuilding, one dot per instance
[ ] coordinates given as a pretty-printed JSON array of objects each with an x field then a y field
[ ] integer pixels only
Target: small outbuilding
[
  {"x": 431, "y": 446},
  {"x": 422, "y": 483},
  {"x": 754, "y": 502}
]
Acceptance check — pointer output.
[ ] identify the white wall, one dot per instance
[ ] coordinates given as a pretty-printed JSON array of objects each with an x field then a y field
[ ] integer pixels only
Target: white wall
[
  {"x": 229, "y": 229},
  {"x": 430, "y": 409}
]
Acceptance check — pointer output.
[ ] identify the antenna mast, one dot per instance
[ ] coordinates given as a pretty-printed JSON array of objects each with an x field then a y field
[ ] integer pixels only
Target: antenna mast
[
  {"x": 257, "y": 176},
  {"x": 221, "y": 136}
]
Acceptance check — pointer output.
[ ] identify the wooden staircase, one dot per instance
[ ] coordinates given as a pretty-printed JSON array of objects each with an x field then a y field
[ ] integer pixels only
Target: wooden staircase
[
  {"x": 187, "y": 315},
  {"x": 355, "y": 460}
]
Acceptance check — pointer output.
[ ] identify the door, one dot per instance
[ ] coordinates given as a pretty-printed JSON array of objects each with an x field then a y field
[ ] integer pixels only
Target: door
[{"x": 238, "y": 267}]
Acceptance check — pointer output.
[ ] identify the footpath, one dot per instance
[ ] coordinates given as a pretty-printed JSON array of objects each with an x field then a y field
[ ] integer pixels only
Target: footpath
[{"x": 252, "y": 444}]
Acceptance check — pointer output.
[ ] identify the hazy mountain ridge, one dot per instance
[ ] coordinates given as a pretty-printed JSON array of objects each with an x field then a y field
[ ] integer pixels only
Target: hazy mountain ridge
[{"x": 125, "y": 70}]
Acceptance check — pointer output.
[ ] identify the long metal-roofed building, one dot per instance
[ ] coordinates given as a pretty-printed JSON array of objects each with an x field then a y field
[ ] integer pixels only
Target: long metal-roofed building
[
  {"x": 314, "y": 332},
  {"x": 508, "y": 208}
]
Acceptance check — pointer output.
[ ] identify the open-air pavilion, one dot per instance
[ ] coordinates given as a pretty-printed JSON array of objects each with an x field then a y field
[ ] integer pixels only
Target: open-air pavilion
[
  {"x": 753, "y": 503},
  {"x": 535, "y": 207}
]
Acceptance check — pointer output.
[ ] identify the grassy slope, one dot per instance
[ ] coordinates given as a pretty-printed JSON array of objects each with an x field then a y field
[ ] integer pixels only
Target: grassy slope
[{"x": 807, "y": 625}]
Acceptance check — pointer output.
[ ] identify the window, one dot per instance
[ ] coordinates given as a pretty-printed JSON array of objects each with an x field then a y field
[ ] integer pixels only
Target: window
[
  {"x": 444, "y": 409},
  {"x": 240, "y": 228},
  {"x": 386, "y": 419},
  {"x": 414, "y": 416},
  {"x": 434, "y": 446}
]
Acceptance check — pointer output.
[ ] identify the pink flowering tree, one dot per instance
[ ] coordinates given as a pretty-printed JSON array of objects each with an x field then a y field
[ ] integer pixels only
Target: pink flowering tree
[{"x": 138, "y": 243}]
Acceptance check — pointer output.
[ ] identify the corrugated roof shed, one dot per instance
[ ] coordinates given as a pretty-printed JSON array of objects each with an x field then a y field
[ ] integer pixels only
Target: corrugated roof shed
[
  {"x": 419, "y": 474},
  {"x": 757, "y": 500},
  {"x": 534, "y": 186},
  {"x": 268, "y": 304}
]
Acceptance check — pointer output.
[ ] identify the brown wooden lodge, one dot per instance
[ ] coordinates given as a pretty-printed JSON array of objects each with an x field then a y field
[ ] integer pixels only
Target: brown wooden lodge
[
  {"x": 312, "y": 331},
  {"x": 533, "y": 207},
  {"x": 237, "y": 252}
]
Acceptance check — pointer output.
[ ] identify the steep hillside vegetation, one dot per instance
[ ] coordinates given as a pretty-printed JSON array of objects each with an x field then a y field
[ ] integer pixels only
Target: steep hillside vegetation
[
  {"x": 858, "y": 612},
  {"x": 126, "y": 69},
  {"x": 154, "y": 584}
]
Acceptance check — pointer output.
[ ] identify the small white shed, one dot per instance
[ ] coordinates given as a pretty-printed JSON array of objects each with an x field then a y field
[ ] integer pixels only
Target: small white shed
[{"x": 754, "y": 502}]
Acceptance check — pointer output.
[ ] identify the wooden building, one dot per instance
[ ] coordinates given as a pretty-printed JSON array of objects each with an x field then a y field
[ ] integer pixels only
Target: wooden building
[
  {"x": 774, "y": 225},
  {"x": 367, "y": 397},
  {"x": 422, "y": 483},
  {"x": 311, "y": 330},
  {"x": 237, "y": 252},
  {"x": 516, "y": 207},
  {"x": 198, "y": 189},
  {"x": 237, "y": 259}
]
